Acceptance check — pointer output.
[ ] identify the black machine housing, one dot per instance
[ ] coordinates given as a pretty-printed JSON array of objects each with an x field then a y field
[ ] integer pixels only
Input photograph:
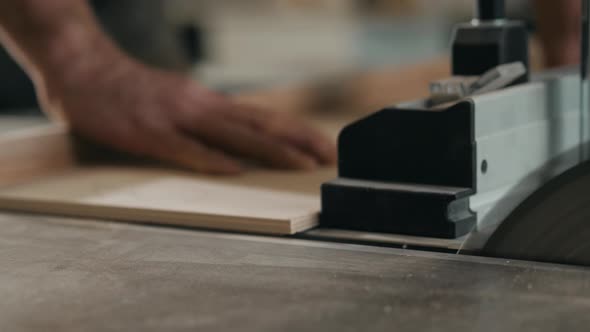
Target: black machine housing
[
  {"x": 489, "y": 40},
  {"x": 411, "y": 170},
  {"x": 479, "y": 46},
  {"x": 405, "y": 171}
]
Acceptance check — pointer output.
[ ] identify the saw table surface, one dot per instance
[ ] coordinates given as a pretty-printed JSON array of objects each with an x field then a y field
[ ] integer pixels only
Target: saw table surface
[{"x": 73, "y": 275}]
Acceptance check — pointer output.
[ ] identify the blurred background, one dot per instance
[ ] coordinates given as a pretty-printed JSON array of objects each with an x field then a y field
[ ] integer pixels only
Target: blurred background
[{"x": 236, "y": 44}]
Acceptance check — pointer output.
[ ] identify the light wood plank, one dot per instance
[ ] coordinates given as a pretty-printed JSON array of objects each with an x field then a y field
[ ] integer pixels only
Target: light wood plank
[
  {"x": 177, "y": 198},
  {"x": 53, "y": 181}
]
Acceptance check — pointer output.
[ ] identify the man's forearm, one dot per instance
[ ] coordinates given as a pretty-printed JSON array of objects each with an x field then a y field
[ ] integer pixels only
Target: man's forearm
[
  {"x": 559, "y": 30},
  {"x": 56, "y": 38}
]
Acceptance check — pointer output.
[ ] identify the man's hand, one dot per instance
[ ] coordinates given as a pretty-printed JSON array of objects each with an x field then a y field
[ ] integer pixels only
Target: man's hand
[
  {"x": 108, "y": 97},
  {"x": 559, "y": 27},
  {"x": 162, "y": 115}
]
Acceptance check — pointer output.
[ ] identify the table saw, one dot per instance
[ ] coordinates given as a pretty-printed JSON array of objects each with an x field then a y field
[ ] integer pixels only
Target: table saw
[{"x": 513, "y": 159}]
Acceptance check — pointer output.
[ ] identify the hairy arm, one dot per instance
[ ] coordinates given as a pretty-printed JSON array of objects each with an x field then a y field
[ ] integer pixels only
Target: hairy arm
[
  {"x": 47, "y": 36},
  {"x": 81, "y": 76},
  {"x": 559, "y": 30}
]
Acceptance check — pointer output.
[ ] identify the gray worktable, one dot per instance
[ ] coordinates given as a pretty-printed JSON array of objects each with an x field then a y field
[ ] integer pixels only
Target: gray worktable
[{"x": 82, "y": 275}]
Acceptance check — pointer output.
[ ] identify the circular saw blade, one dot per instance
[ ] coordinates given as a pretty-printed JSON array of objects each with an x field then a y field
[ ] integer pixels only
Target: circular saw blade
[{"x": 552, "y": 225}]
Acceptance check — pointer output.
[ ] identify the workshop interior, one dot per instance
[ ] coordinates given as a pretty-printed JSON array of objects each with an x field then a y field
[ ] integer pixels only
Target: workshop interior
[{"x": 460, "y": 152}]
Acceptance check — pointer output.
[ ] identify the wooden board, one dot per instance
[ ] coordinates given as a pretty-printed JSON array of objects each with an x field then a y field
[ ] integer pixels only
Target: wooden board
[
  {"x": 160, "y": 196},
  {"x": 260, "y": 201}
]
